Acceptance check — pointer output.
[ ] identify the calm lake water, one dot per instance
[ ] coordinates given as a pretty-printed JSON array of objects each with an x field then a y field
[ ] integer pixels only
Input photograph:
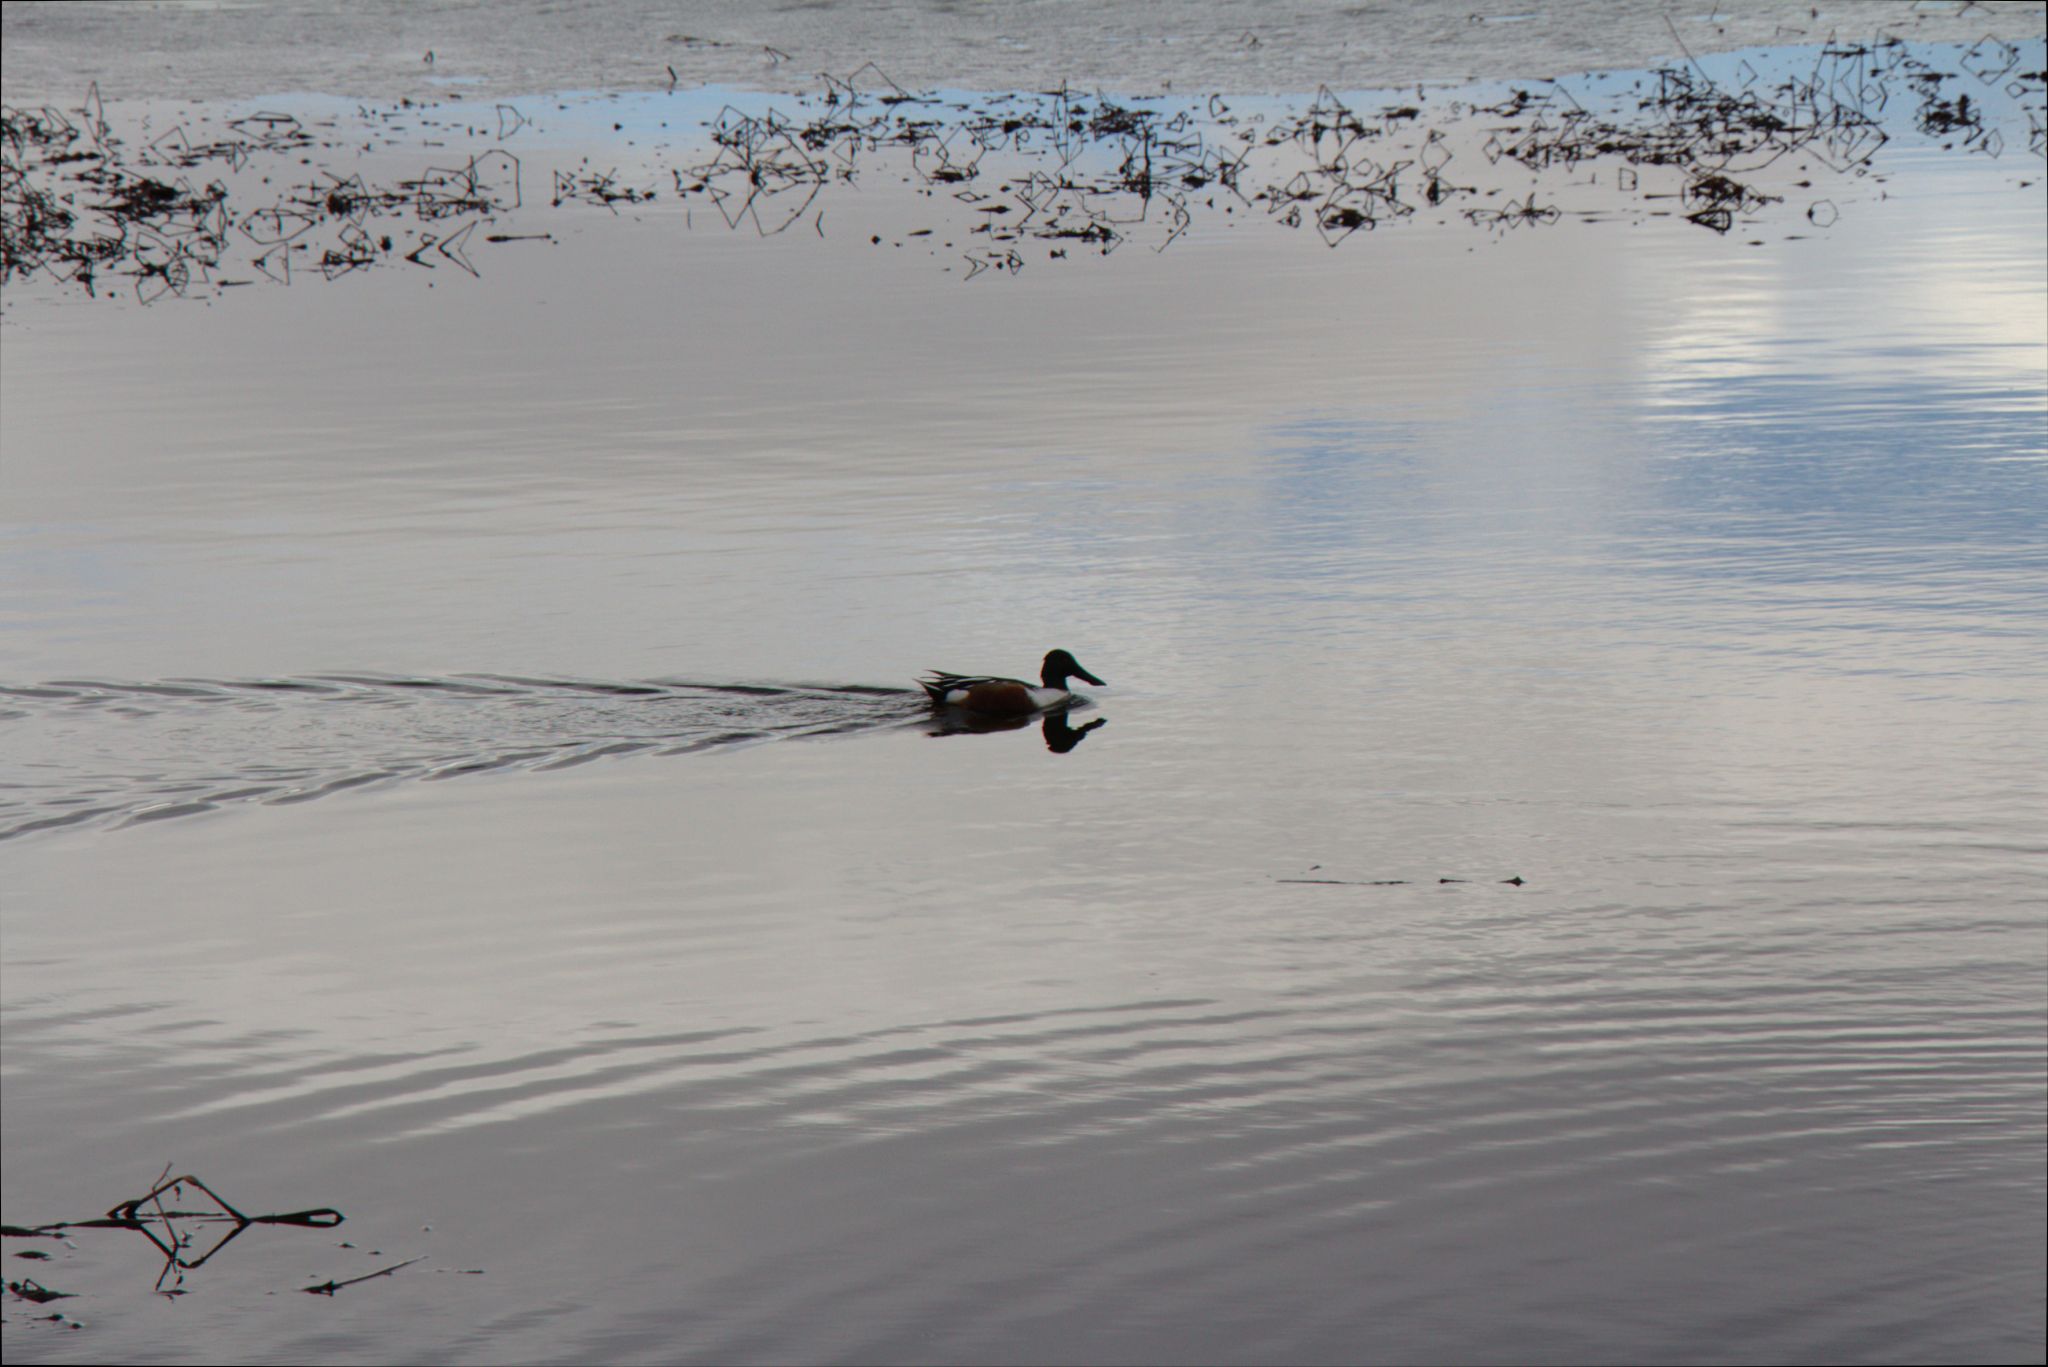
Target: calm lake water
[{"x": 1559, "y": 874}]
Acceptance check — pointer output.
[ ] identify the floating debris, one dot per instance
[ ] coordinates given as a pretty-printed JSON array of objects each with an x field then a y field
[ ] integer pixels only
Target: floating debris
[{"x": 1515, "y": 881}]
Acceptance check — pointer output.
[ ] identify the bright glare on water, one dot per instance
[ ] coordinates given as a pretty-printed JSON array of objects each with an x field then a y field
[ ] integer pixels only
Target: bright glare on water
[{"x": 1558, "y": 875}]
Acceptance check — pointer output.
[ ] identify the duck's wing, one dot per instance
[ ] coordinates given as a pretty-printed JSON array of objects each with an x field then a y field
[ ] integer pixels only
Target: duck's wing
[{"x": 939, "y": 685}]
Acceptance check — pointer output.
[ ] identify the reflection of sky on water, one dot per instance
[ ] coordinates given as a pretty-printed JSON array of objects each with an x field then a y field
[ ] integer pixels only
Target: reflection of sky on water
[
  {"x": 746, "y": 442},
  {"x": 1694, "y": 582},
  {"x": 1906, "y": 463}
]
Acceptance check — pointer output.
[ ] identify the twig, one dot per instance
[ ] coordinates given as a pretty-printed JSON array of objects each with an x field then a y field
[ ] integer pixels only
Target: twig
[{"x": 328, "y": 1288}]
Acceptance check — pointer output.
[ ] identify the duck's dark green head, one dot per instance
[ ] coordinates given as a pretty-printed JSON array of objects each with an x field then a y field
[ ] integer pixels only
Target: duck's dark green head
[{"x": 1059, "y": 666}]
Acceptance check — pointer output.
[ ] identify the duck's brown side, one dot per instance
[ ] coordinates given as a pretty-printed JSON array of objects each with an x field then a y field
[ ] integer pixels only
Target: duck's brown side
[{"x": 997, "y": 698}]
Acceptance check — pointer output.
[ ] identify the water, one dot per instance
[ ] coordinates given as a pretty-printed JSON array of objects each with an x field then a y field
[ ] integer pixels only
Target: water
[{"x": 463, "y": 770}]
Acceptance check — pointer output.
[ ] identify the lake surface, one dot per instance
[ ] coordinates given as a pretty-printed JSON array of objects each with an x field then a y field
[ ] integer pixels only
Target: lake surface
[{"x": 1556, "y": 872}]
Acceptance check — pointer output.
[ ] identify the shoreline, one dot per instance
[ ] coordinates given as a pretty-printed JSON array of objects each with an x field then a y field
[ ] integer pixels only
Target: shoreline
[{"x": 391, "y": 52}]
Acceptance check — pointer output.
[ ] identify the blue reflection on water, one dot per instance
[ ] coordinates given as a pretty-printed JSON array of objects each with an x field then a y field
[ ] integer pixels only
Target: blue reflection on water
[{"x": 1908, "y": 463}]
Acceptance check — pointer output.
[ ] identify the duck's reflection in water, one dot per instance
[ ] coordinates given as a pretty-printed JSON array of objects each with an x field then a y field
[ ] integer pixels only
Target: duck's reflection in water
[{"x": 1060, "y": 735}]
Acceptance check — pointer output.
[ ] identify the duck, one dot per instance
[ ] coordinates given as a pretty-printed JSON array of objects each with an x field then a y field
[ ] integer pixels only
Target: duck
[{"x": 987, "y": 695}]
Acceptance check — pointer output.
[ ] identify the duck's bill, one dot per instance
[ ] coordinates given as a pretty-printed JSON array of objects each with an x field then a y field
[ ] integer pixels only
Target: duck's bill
[{"x": 1084, "y": 674}]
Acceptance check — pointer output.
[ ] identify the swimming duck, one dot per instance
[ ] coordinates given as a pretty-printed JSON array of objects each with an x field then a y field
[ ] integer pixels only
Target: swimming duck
[{"x": 986, "y": 695}]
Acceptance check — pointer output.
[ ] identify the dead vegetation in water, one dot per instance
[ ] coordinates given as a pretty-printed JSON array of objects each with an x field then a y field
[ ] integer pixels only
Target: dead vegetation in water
[
  {"x": 1065, "y": 169},
  {"x": 186, "y": 1221},
  {"x": 79, "y": 202},
  {"x": 1005, "y": 178}
]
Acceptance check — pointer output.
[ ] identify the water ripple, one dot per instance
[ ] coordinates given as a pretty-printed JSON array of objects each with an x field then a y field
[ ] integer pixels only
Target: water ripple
[{"x": 94, "y": 752}]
